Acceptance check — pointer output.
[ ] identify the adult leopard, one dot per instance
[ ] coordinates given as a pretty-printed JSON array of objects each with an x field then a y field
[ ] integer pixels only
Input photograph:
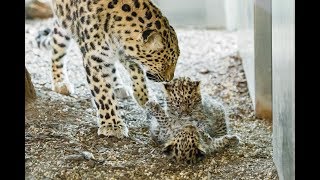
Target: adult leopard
[{"x": 133, "y": 32}]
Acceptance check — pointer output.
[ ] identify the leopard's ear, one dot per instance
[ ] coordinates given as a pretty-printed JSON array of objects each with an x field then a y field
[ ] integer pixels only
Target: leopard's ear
[
  {"x": 166, "y": 85},
  {"x": 152, "y": 39}
]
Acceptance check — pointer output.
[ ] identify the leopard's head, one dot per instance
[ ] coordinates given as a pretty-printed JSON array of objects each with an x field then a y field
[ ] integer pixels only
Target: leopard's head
[
  {"x": 155, "y": 48},
  {"x": 185, "y": 146},
  {"x": 182, "y": 95},
  {"x": 159, "y": 53}
]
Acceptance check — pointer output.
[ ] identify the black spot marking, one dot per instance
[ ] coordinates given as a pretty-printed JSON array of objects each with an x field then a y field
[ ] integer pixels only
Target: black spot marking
[
  {"x": 110, "y": 5},
  {"x": 145, "y": 5},
  {"x": 134, "y": 14},
  {"x": 107, "y": 116},
  {"x": 97, "y": 59},
  {"x": 95, "y": 79},
  {"x": 82, "y": 19},
  {"x": 97, "y": 104},
  {"x": 117, "y": 18},
  {"x": 112, "y": 112},
  {"x": 126, "y": 8},
  {"x": 92, "y": 45},
  {"x": 131, "y": 66},
  {"x": 148, "y": 15},
  {"x": 93, "y": 94},
  {"x": 88, "y": 70},
  {"x": 108, "y": 85},
  {"x": 130, "y": 48},
  {"x": 141, "y": 20},
  {"x": 101, "y": 104},
  {"x": 61, "y": 45},
  {"x": 158, "y": 24},
  {"x": 59, "y": 66},
  {"x": 113, "y": 70},
  {"x": 96, "y": 26},
  {"x": 106, "y": 24},
  {"x": 136, "y": 3},
  {"x": 96, "y": 89},
  {"x": 105, "y": 48},
  {"x": 105, "y": 75},
  {"x": 129, "y": 18}
]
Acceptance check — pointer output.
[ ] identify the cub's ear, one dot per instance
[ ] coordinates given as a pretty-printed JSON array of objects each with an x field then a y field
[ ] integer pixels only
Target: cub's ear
[
  {"x": 200, "y": 153},
  {"x": 197, "y": 83},
  {"x": 152, "y": 39},
  {"x": 168, "y": 149}
]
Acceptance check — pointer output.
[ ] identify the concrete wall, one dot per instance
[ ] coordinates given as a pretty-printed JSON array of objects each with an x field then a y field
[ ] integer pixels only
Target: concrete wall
[
  {"x": 283, "y": 87},
  {"x": 217, "y": 14},
  {"x": 254, "y": 40},
  {"x": 246, "y": 43},
  {"x": 263, "y": 65}
]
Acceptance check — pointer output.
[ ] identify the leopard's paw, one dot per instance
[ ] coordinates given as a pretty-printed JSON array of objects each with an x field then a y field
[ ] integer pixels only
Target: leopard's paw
[
  {"x": 63, "y": 88},
  {"x": 109, "y": 129}
]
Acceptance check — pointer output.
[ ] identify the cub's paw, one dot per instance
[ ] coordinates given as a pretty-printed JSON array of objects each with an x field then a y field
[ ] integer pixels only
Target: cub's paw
[
  {"x": 233, "y": 140},
  {"x": 152, "y": 107},
  {"x": 63, "y": 88},
  {"x": 108, "y": 129}
]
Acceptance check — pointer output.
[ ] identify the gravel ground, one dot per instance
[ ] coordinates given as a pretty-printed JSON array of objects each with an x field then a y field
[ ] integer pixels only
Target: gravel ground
[{"x": 61, "y": 140}]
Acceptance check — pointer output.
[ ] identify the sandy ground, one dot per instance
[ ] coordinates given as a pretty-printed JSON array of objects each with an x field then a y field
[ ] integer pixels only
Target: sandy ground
[{"x": 61, "y": 140}]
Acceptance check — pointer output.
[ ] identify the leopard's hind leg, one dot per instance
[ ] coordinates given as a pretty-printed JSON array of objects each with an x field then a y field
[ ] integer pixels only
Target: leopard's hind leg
[{"x": 60, "y": 41}]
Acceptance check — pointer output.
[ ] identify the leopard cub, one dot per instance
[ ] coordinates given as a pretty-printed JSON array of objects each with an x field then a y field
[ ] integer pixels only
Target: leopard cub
[{"x": 191, "y": 125}]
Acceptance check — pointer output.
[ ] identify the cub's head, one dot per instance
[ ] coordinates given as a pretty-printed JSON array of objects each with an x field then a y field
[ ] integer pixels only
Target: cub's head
[
  {"x": 182, "y": 95},
  {"x": 185, "y": 146}
]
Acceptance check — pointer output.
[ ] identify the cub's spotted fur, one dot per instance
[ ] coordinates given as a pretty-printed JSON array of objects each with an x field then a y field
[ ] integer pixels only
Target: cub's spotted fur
[
  {"x": 191, "y": 125},
  {"x": 133, "y": 32}
]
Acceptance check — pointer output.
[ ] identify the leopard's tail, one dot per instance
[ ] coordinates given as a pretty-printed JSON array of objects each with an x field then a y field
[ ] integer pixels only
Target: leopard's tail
[{"x": 43, "y": 38}]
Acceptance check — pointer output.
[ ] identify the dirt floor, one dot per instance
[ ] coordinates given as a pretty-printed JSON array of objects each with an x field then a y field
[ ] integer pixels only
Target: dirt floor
[{"x": 61, "y": 140}]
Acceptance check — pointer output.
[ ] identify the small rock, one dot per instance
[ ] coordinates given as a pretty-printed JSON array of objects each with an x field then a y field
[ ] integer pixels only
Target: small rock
[
  {"x": 204, "y": 71},
  {"x": 87, "y": 155},
  {"x": 74, "y": 157}
]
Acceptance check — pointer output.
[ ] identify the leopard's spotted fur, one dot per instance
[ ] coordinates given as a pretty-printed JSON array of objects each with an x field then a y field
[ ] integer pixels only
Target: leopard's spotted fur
[
  {"x": 133, "y": 32},
  {"x": 191, "y": 125}
]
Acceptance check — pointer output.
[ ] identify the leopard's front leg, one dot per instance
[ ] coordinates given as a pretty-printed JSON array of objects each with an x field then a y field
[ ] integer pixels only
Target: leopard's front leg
[
  {"x": 140, "y": 91},
  {"x": 101, "y": 76}
]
